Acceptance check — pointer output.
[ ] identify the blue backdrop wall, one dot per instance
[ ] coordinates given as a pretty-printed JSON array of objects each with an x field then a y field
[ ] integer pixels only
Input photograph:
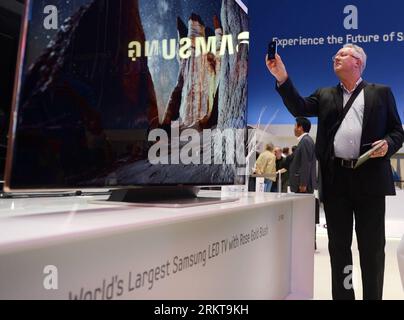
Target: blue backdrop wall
[{"x": 310, "y": 32}]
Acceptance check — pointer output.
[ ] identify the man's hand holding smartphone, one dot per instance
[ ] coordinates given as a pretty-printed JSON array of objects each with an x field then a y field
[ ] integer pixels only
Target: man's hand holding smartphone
[
  {"x": 272, "y": 50},
  {"x": 274, "y": 64}
]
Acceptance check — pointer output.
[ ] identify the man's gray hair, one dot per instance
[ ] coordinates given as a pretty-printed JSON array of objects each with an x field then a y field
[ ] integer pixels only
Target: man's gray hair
[{"x": 360, "y": 54}]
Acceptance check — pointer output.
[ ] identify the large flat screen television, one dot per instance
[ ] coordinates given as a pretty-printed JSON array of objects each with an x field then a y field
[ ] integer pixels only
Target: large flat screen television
[{"x": 128, "y": 93}]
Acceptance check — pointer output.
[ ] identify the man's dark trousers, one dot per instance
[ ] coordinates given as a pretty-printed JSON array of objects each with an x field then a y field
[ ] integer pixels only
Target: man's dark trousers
[{"x": 344, "y": 205}]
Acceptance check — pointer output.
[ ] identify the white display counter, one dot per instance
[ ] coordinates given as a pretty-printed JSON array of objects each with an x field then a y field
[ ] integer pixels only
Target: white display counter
[
  {"x": 394, "y": 215},
  {"x": 400, "y": 260},
  {"x": 260, "y": 247}
]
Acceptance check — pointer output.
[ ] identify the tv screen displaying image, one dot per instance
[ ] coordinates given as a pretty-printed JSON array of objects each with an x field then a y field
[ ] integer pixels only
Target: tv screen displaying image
[{"x": 115, "y": 93}]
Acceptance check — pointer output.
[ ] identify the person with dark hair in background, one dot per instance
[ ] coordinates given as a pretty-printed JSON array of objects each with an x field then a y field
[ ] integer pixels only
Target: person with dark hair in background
[
  {"x": 285, "y": 152},
  {"x": 302, "y": 169},
  {"x": 289, "y": 159},
  {"x": 280, "y": 174},
  {"x": 352, "y": 116}
]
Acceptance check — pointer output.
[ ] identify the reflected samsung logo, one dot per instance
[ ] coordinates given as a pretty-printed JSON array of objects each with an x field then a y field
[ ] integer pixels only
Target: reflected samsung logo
[{"x": 168, "y": 49}]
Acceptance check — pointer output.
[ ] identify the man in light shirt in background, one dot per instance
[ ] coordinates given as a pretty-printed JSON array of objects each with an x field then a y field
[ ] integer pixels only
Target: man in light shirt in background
[{"x": 265, "y": 165}]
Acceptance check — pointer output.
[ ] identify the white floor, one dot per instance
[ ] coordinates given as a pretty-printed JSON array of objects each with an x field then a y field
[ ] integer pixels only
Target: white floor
[{"x": 393, "y": 289}]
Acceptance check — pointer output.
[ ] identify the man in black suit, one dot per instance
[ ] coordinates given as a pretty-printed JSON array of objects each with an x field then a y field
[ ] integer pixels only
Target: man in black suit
[
  {"x": 351, "y": 117},
  {"x": 302, "y": 170}
]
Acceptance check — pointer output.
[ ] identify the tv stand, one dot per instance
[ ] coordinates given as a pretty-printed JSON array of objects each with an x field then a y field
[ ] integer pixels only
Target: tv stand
[{"x": 165, "y": 196}]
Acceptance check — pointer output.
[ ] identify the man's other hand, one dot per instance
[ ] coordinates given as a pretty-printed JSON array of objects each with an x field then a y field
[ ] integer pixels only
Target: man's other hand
[
  {"x": 277, "y": 68},
  {"x": 380, "y": 152}
]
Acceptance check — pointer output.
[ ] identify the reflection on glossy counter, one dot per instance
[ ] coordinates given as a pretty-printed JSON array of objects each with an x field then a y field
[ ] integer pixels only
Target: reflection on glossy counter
[{"x": 32, "y": 221}]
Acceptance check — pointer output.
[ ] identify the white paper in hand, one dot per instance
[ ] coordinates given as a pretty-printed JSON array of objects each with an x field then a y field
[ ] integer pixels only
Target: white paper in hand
[{"x": 364, "y": 157}]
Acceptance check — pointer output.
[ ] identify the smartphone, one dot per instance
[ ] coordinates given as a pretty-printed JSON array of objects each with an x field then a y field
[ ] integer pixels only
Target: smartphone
[{"x": 272, "y": 50}]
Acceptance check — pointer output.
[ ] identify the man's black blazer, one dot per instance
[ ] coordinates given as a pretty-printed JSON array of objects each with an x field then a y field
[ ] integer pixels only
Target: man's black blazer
[
  {"x": 302, "y": 169},
  {"x": 380, "y": 121}
]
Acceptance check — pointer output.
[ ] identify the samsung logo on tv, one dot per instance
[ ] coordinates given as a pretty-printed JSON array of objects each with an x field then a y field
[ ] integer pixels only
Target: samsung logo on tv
[{"x": 167, "y": 48}]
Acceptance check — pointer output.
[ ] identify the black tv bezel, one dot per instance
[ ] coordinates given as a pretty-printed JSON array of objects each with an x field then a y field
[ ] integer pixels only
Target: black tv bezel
[{"x": 12, "y": 120}]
